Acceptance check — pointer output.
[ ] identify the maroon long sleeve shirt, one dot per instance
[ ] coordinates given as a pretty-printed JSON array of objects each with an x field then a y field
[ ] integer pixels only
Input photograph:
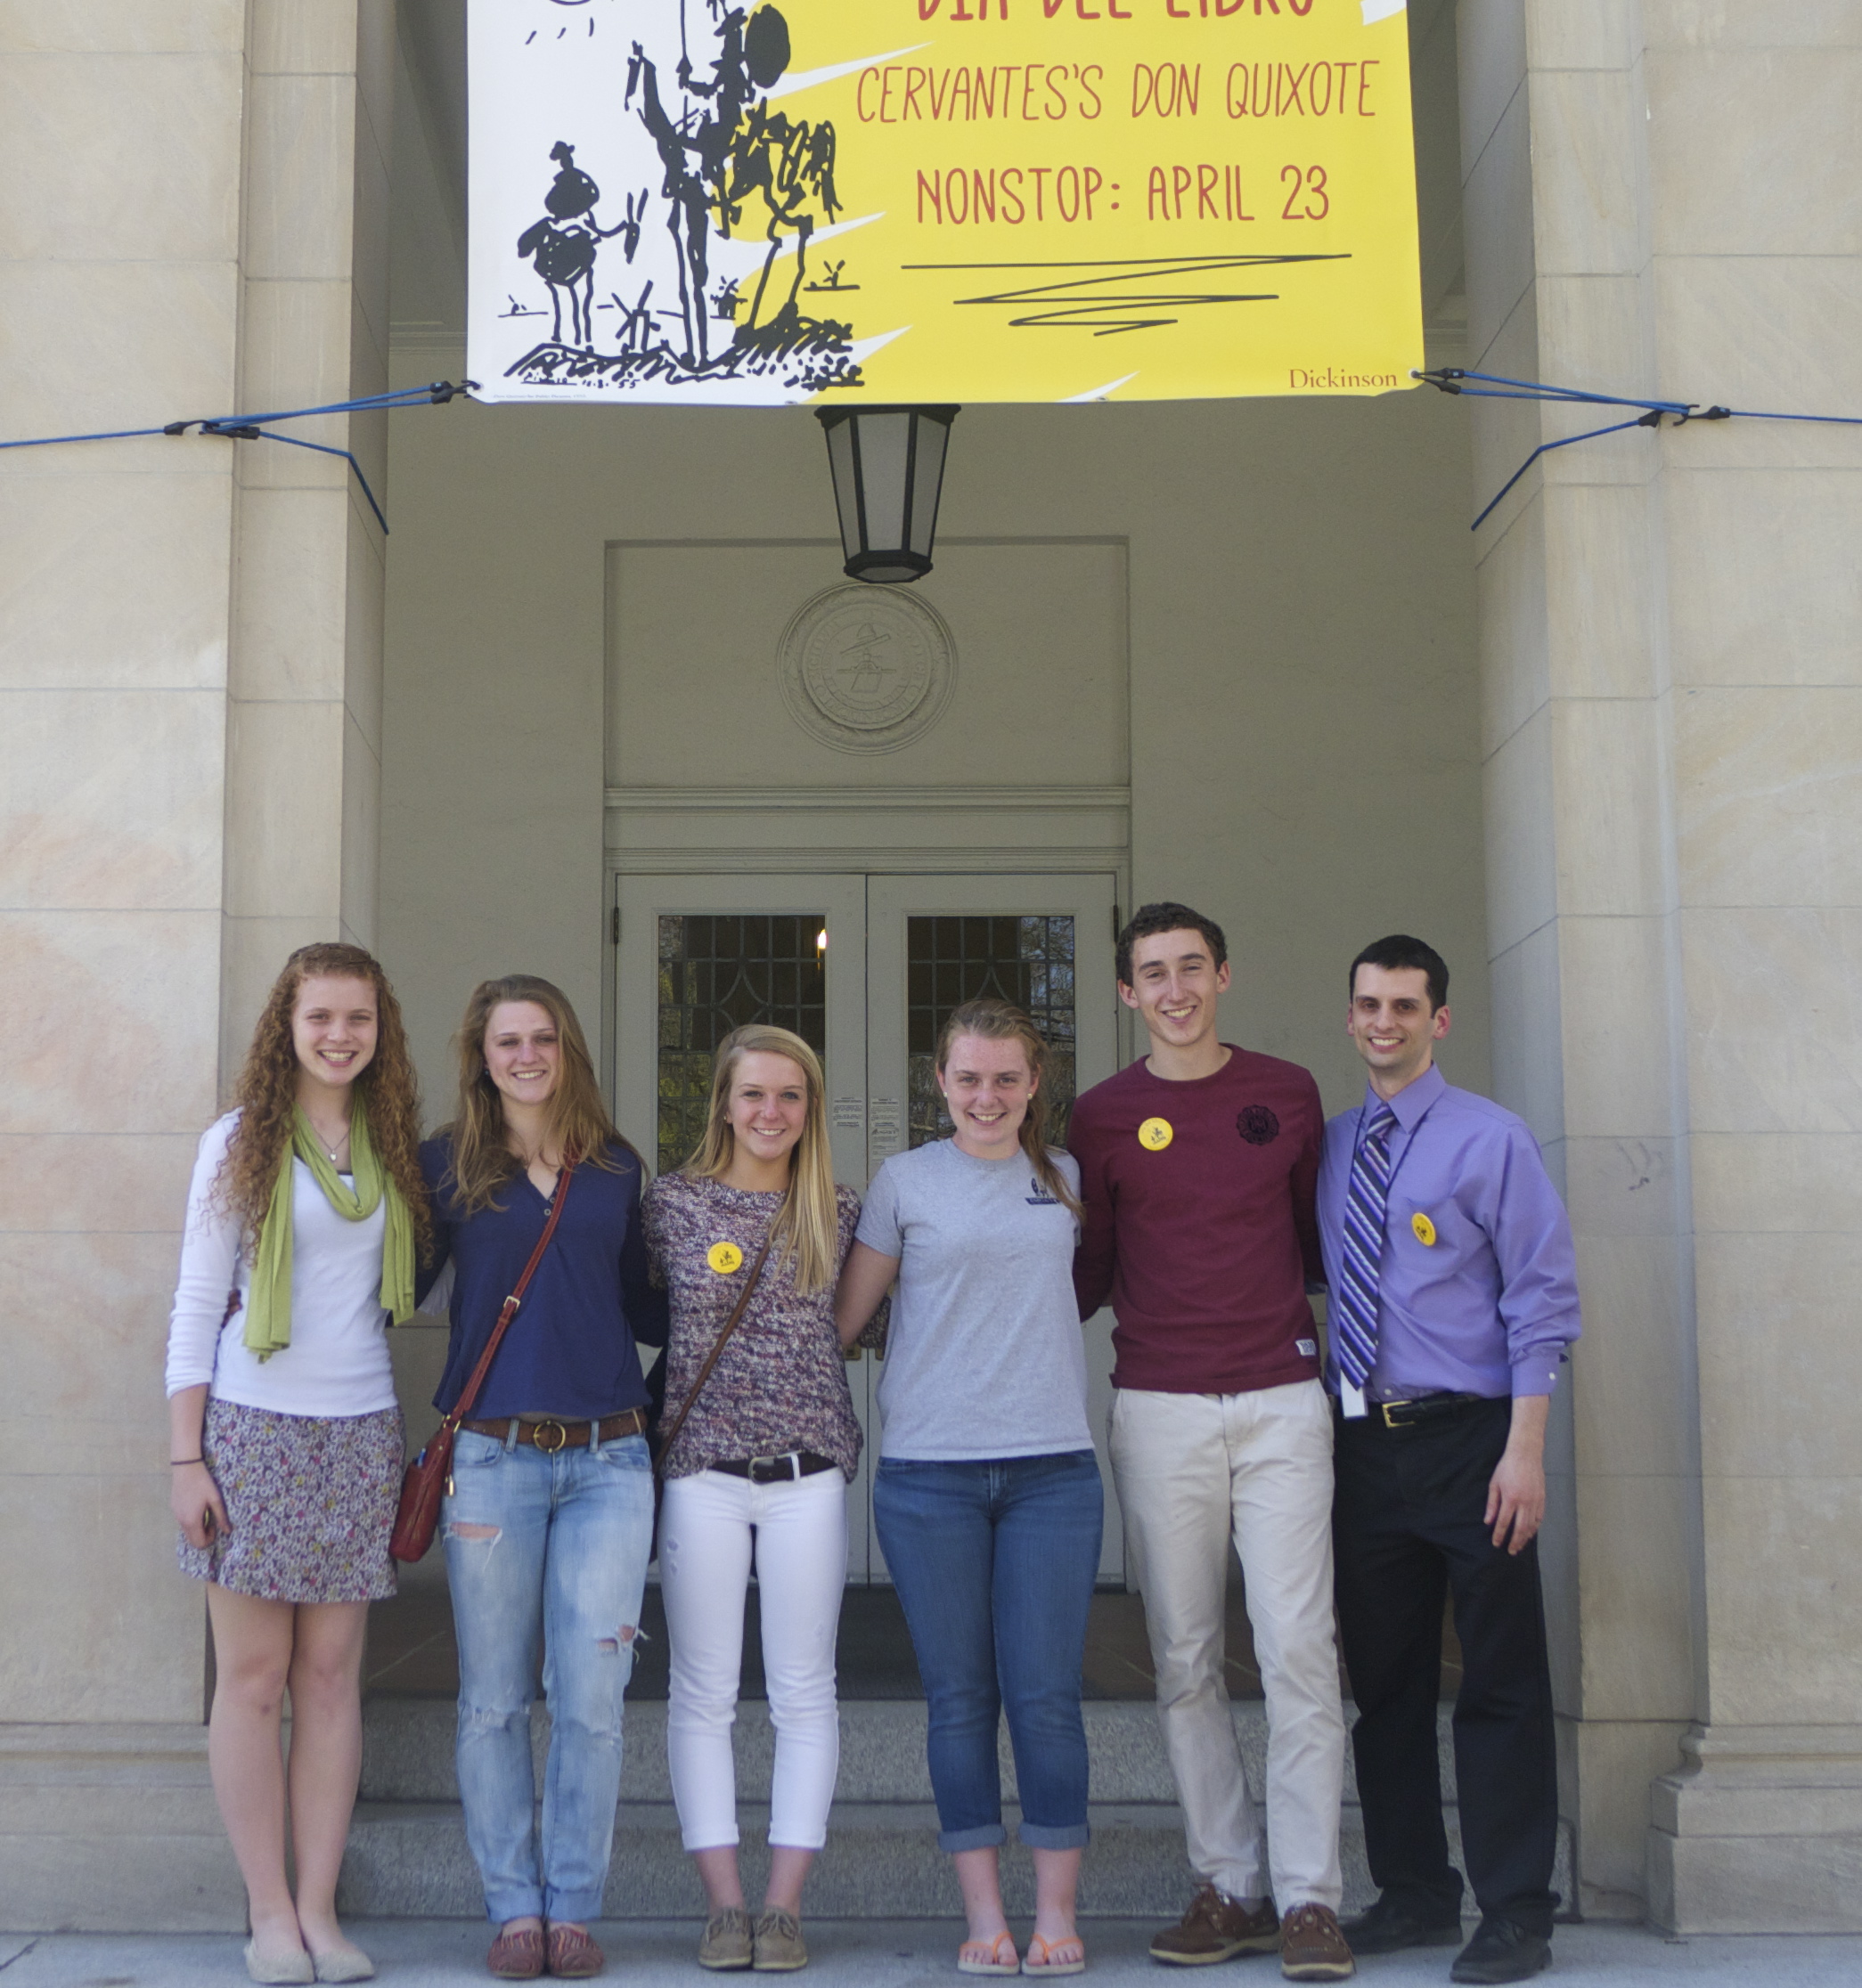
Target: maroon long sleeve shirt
[{"x": 1204, "y": 1245}]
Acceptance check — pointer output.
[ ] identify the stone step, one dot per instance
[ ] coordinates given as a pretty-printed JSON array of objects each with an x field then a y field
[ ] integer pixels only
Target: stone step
[
  {"x": 115, "y": 1828},
  {"x": 407, "y": 1751},
  {"x": 407, "y": 1853},
  {"x": 410, "y": 1860}
]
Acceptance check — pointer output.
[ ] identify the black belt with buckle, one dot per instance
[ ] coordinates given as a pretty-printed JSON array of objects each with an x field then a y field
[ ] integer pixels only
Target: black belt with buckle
[
  {"x": 549, "y": 1435},
  {"x": 776, "y": 1469},
  {"x": 1425, "y": 1408}
]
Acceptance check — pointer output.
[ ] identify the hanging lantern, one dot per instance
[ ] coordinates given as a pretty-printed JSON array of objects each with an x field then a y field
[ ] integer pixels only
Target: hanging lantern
[{"x": 889, "y": 465}]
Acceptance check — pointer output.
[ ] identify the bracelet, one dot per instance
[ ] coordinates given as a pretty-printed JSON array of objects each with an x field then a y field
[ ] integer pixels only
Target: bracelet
[{"x": 179, "y": 1462}]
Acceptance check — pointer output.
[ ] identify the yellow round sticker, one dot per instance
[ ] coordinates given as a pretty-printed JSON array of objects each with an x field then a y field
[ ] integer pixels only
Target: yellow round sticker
[
  {"x": 724, "y": 1257},
  {"x": 1155, "y": 1133},
  {"x": 1424, "y": 1229}
]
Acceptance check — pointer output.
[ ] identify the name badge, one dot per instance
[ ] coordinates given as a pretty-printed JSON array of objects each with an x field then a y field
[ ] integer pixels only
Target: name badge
[
  {"x": 1423, "y": 1229},
  {"x": 1155, "y": 1133},
  {"x": 724, "y": 1257}
]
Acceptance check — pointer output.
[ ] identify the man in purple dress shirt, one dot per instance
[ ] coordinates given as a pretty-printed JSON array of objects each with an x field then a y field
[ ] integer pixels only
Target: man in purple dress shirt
[{"x": 1453, "y": 1299}]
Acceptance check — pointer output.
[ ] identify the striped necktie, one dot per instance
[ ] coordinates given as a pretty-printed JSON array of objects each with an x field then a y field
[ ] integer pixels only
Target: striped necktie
[{"x": 1355, "y": 1322}]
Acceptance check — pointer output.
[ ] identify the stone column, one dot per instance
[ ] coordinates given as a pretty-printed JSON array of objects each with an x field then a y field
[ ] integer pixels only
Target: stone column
[
  {"x": 1672, "y": 813},
  {"x": 304, "y": 737},
  {"x": 194, "y": 225}
]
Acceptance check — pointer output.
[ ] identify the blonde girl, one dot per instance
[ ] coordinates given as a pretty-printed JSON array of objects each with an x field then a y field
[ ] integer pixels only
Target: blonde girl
[{"x": 758, "y": 1471}]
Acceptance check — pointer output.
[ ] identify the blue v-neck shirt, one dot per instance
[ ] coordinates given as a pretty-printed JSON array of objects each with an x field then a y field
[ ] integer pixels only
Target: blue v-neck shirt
[{"x": 570, "y": 1352}]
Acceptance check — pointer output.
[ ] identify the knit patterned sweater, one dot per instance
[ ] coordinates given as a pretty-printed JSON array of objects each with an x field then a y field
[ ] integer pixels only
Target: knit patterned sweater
[{"x": 781, "y": 1383}]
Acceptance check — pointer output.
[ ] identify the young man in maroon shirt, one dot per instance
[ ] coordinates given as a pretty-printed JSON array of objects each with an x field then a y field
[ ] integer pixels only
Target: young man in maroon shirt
[{"x": 1199, "y": 1167}]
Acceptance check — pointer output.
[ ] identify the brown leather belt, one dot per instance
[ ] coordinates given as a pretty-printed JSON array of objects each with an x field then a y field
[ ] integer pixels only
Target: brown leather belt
[{"x": 549, "y": 1435}]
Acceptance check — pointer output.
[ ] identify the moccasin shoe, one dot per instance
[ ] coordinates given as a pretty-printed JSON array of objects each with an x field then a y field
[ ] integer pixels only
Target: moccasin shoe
[
  {"x": 1311, "y": 1946},
  {"x": 344, "y": 1963},
  {"x": 517, "y": 1953},
  {"x": 573, "y": 1955},
  {"x": 1388, "y": 1927},
  {"x": 777, "y": 1944},
  {"x": 1502, "y": 1950},
  {"x": 725, "y": 1945},
  {"x": 288, "y": 1964},
  {"x": 1217, "y": 1927}
]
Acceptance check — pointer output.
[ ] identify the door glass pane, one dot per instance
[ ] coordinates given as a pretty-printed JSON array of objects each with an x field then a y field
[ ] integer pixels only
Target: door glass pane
[
  {"x": 717, "y": 973},
  {"x": 950, "y": 960}
]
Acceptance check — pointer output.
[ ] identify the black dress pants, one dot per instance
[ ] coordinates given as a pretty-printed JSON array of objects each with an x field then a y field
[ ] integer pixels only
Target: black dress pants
[{"x": 1409, "y": 1525}]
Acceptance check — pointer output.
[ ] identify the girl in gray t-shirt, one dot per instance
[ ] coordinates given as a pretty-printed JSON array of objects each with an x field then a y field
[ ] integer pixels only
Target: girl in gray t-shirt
[{"x": 987, "y": 1500}]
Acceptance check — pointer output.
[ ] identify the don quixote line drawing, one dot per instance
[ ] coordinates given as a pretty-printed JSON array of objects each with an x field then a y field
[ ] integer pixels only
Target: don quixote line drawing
[{"x": 733, "y": 171}]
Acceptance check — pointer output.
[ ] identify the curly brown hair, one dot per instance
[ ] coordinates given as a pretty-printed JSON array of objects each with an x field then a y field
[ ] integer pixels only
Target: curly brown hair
[
  {"x": 483, "y": 1161},
  {"x": 267, "y": 1092}
]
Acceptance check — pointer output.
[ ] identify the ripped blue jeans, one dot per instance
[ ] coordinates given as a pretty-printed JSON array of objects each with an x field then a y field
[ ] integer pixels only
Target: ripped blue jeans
[{"x": 552, "y": 1546}]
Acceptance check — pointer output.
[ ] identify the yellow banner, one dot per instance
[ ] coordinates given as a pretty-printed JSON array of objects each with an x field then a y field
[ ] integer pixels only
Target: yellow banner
[{"x": 935, "y": 200}]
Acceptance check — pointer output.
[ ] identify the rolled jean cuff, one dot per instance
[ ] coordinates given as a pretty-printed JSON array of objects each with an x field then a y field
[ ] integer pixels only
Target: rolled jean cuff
[
  {"x": 1041, "y": 1836},
  {"x": 510, "y": 1901},
  {"x": 985, "y": 1835},
  {"x": 576, "y": 1907}
]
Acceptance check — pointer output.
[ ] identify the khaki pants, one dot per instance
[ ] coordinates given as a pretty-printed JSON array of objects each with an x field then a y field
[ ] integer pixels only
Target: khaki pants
[{"x": 1193, "y": 1471}]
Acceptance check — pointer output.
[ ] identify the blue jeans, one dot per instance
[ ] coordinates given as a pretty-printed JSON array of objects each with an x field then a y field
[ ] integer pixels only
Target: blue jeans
[
  {"x": 994, "y": 1564},
  {"x": 553, "y": 1546}
]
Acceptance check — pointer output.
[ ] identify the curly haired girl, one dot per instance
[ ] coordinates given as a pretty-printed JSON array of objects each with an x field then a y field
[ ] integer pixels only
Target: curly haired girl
[{"x": 305, "y": 1218}]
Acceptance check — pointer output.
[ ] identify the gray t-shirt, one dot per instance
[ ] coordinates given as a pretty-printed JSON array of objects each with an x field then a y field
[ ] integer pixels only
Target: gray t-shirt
[{"x": 984, "y": 1357}]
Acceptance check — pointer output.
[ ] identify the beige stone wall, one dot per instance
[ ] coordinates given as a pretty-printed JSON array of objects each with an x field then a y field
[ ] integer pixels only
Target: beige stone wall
[
  {"x": 118, "y": 307},
  {"x": 1668, "y": 669},
  {"x": 194, "y": 225}
]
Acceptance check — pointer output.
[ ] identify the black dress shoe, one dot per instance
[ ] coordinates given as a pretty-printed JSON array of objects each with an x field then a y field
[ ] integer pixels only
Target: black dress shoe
[
  {"x": 1388, "y": 1927},
  {"x": 1502, "y": 1950}
]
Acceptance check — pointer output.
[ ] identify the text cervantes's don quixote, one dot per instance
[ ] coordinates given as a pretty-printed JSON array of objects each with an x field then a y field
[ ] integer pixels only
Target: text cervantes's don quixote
[{"x": 928, "y": 201}]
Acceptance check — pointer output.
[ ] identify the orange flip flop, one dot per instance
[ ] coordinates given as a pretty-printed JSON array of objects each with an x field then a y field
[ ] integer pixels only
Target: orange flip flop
[
  {"x": 995, "y": 1964},
  {"x": 1039, "y": 1959}
]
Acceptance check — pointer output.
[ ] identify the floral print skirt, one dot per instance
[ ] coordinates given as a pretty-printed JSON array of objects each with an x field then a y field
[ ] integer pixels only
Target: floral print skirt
[{"x": 312, "y": 1501}]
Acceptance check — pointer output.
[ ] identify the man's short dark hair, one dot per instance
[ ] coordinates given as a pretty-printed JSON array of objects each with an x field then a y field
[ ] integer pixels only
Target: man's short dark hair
[
  {"x": 1400, "y": 953},
  {"x": 1149, "y": 920}
]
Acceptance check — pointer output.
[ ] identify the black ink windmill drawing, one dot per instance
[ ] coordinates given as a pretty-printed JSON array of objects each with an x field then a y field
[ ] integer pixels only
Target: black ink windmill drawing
[{"x": 699, "y": 272}]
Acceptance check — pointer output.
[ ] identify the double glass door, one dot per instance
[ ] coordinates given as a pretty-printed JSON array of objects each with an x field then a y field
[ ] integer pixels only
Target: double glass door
[{"x": 863, "y": 968}]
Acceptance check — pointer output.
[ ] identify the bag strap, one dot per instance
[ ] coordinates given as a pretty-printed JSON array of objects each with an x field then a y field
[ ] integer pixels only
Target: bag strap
[
  {"x": 711, "y": 1359},
  {"x": 469, "y": 1395}
]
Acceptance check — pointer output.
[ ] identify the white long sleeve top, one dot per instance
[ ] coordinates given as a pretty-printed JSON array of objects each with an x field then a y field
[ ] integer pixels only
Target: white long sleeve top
[{"x": 337, "y": 1363}]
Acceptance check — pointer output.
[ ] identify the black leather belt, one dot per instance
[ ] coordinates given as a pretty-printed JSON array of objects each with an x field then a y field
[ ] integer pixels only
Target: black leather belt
[
  {"x": 776, "y": 1469},
  {"x": 549, "y": 1435},
  {"x": 1424, "y": 1408}
]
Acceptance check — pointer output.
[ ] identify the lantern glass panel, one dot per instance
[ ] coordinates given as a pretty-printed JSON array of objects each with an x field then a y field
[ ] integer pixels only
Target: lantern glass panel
[
  {"x": 934, "y": 438},
  {"x": 884, "y": 440},
  {"x": 846, "y": 484}
]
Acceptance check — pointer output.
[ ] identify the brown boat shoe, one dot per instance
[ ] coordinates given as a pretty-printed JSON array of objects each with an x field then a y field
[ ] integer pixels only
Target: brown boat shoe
[
  {"x": 1311, "y": 1946},
  {"x": 1217, "y": 1927}
]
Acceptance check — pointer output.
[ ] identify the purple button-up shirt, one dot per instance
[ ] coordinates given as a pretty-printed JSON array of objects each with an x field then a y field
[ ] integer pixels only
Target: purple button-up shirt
[{"x": 1478, "y": 1289}]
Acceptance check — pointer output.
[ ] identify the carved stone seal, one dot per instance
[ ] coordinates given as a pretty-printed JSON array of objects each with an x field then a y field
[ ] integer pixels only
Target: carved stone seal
[{"x": 867, "y": 668}]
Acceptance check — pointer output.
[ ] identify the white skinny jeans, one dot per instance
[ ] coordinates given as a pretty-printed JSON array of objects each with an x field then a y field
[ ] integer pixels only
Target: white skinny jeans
[
  {"x": 1193, "y": 1471},
  {"x": 709, "y": 1526}
]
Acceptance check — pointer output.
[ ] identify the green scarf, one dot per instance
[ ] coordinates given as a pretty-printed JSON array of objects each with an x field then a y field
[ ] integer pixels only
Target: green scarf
[{"x": 268, "y": 1305}]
